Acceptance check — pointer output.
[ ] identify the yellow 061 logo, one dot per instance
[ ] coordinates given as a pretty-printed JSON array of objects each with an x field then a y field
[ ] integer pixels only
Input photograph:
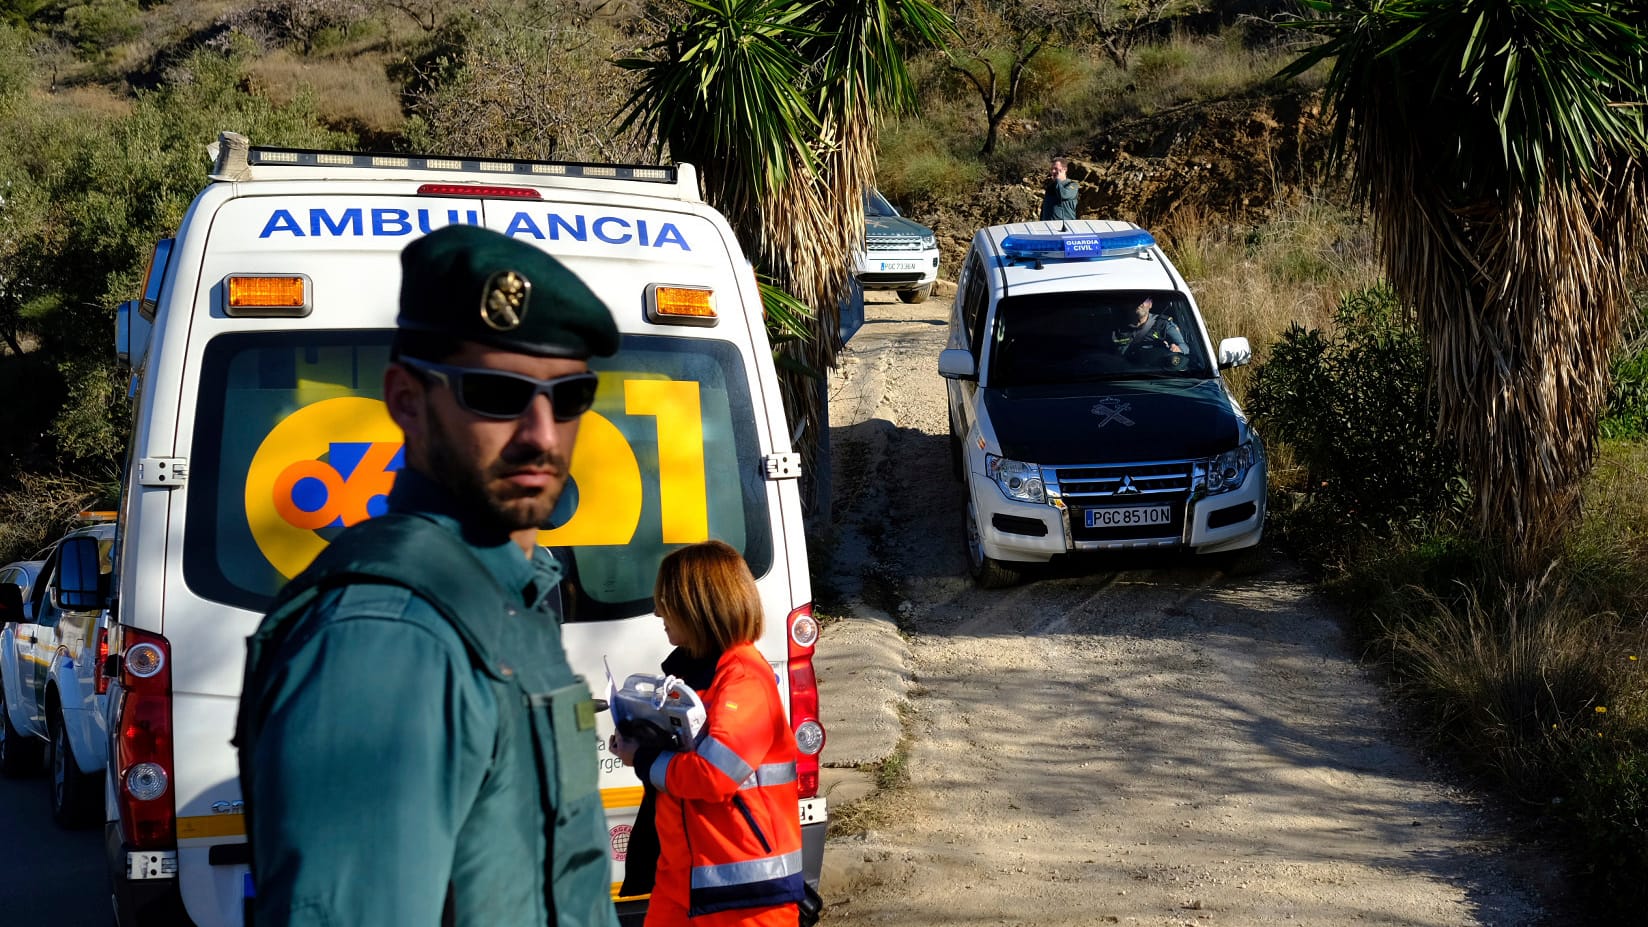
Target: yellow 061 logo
[{"x": 331, "y": 464}]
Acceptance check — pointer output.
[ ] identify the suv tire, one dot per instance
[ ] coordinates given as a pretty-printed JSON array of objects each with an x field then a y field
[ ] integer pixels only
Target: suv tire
[
  {"x": 987, "y": 572},
  {"x": 917, "y": 295},
  {"x": 75, "y": 796},
  {"x": 19, "y": 755}
]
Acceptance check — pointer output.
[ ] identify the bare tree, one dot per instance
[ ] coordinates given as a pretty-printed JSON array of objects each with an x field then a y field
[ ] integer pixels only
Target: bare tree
[
  {"x": 539, "y": 85},
  {"x": 302, "y": 21},
  {"x": 428, "y": 14},
  {"x": 996, "y": 43},
  {"x": 1118, "y": 26}
]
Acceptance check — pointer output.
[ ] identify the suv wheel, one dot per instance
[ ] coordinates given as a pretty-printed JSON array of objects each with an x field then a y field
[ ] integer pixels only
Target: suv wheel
[
  {"x": 74, "y": 794},
  {"x": 19, "y": 755},
  {"x": 917, "y": 295},
  {"x": 987, "y": 572}
]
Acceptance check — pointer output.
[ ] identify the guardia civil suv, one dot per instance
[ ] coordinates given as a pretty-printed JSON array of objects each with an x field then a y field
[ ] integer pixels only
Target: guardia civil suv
[{"x": 1087, "y": 407}]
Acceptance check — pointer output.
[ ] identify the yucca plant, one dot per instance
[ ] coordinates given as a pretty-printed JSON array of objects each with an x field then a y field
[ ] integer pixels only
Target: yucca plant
[
  {"x": 778, "y": 102},
  {"x": 1498, "y": 145}
]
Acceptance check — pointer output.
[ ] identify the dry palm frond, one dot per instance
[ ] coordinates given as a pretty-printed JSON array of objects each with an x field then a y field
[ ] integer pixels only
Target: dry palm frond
[{"x": 1505, "y": 183}]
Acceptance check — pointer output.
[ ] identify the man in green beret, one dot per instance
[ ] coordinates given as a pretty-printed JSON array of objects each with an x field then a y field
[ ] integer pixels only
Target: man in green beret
[{"x": 414, "y": 747}]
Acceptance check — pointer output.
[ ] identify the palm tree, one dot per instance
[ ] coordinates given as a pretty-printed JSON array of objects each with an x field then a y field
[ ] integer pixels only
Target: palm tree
[
  {"x": 778, "y": 102},
  {"x": 1498, "y": 145}
]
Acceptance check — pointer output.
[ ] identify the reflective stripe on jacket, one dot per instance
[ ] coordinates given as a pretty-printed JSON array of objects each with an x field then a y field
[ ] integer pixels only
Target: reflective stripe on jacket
[{"x": 729, "y": 828}]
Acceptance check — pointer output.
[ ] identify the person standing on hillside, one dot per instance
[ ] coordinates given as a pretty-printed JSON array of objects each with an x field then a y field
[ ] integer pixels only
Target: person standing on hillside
[
  {"x": 414, "y": 747},
  {"x": 1058, "y": 195}
]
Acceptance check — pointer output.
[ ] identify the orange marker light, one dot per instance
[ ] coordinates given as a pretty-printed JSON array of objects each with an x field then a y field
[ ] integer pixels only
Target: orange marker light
[
  {"x": 277, "y": 296},
  {"x": 266, "y": 292},
  {"x": 689, "y": 305}
]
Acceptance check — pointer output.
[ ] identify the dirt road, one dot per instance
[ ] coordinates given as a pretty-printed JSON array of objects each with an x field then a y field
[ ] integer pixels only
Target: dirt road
[{"x": 1128, "y": 743}]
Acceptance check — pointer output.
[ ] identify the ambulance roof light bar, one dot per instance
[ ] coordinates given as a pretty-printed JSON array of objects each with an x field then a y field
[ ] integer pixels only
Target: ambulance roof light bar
[
  {"x": 233, "y": 158},
  {"x": 1077, "y": 245}
]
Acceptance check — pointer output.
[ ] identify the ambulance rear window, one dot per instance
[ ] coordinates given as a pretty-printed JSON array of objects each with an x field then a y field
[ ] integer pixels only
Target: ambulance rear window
[{"x": 292, "y": 443}]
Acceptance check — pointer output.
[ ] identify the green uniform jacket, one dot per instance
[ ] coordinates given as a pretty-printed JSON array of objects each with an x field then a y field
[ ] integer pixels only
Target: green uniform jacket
[
  {"x": 1058, "y": 199},
  {"x": 401, "y": 767}
]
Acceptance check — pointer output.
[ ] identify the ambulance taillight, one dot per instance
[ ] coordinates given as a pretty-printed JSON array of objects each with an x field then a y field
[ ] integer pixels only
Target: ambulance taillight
[
  {"x": 809, "y": 731},
  {"x": 143, "y": 742}
]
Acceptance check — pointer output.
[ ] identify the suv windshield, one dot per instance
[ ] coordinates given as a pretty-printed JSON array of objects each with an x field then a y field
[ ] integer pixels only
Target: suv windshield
[
  {"x": 1092, "y": 336},
  {"x": 292, "y": 443},
  {"x": 876, "y": 205}
]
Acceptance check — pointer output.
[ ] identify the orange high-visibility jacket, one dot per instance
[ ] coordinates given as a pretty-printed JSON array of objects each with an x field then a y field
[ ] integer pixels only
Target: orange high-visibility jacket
[{"x": 729, "y": 828}]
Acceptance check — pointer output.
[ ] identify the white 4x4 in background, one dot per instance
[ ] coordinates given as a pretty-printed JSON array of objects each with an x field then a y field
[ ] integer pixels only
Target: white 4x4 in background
[
  {"x": 1072, "y": 429},
  {"x": 899, "y": 254}
]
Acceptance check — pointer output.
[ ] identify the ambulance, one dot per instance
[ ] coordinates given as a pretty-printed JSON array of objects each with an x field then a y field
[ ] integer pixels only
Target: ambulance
[{"x": 258, "y": 350}]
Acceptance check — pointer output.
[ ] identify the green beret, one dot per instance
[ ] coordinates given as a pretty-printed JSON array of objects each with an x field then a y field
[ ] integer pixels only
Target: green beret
[{"x": 474, "y": 284}]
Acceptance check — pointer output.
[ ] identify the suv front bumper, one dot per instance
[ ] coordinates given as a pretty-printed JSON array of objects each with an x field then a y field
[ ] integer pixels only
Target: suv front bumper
[
  {"x": 1016, "y": 531},
  {"x": 895, "y": 270}
]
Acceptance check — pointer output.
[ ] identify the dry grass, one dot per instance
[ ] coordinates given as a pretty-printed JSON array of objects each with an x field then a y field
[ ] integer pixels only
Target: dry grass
[
  {"x": 1198, "y": 68},
  {"x": 1514, "y": 671},
  {"x": 90, "y": 101},
  {"x": 1256, "y": 281},
  {"x": 1608, "y": 551},
  {"x": 353, "y": 90}
]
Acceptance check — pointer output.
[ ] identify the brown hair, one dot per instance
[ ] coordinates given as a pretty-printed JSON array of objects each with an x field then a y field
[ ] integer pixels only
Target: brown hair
[{"x": 707, "y": 590}]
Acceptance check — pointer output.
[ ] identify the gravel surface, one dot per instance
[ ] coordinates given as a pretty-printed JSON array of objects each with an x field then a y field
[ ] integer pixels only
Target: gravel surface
[{"x": 1120, "y": 741}]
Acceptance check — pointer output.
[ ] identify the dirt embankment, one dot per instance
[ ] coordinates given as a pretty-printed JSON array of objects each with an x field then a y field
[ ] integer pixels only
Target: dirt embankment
[{"x": 1237, "y": 159}]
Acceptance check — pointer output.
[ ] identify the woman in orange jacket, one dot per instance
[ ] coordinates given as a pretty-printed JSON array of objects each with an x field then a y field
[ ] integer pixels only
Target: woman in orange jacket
[{"x": 729, "y": 829}]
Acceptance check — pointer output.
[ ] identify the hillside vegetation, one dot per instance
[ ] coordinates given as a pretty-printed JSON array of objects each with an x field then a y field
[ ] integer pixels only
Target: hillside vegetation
[{"x": 1173, "y": 118}]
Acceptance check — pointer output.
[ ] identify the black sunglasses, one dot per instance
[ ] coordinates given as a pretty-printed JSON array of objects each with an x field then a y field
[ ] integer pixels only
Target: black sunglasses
[{"x": 500, "y": 395}]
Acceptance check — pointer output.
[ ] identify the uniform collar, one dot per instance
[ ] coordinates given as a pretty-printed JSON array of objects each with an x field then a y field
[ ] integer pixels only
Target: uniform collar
[{"x": 533, "y": 579}]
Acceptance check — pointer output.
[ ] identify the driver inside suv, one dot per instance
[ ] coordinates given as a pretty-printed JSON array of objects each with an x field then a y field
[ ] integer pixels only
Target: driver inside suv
[{"x": 1139, "y": 334}]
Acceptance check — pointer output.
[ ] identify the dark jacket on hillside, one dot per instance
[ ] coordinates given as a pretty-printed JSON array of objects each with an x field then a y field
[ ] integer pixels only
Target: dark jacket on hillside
[{"x": 1058, "y": 199}]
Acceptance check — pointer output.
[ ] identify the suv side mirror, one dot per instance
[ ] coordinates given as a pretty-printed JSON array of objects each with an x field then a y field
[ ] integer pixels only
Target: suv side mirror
[
  {"x": 957, "y": 364},
  {"x": 1234, "y": 352},
  {"x": 79, "y": 583},
  {"x": 11, "y": 603}
]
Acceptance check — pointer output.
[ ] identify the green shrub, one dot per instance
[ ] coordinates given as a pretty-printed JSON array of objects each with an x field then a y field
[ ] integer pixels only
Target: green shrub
[
  {"x": 16, "y": 68},
  {"x": 1627, "y": 414},
  {"x": 1607, "y": 806},
  {"x": 96, "y": 27},
  {"x": 1354, "y": 409}
]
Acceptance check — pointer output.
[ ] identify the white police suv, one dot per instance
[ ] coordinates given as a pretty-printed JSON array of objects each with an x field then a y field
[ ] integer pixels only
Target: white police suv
[{"x": 1087, "y": 410}]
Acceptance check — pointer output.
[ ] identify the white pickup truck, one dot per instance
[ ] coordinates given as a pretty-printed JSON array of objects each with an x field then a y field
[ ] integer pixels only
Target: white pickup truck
[{"x": 51, "y": 658}]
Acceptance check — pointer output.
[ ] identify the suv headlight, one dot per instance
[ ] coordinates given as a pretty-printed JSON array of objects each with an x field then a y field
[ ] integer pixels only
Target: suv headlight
[
  {"x": 1227, "y": 471},
  {"x": 929, "y": 242},
  {"x": 1017, "y": 479}
]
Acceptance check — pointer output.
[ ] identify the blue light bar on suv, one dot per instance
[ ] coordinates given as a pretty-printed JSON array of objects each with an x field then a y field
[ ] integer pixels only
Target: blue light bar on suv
[{"x": 1078, "y": 245}]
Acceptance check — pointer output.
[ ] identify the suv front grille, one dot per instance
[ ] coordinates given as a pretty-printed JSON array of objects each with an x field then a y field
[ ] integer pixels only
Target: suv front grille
[
  {"x": 892, "y": 243},
  {"x": 1125, "y": 485}
]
